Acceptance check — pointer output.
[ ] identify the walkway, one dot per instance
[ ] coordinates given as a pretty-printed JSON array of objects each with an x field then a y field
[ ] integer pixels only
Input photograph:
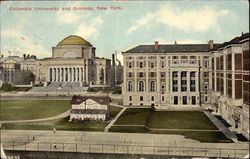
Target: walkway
[
  {"x": 220, "y": 126},
  {"x": 114, "y": 120},
  {"x": 63, "y": 115}
]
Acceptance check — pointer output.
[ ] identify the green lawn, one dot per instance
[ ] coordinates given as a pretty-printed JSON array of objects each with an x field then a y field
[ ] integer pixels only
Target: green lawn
[
  {"x": 179, "y": 120},
  {"x": 134, "y": 116},
  {"x": 32, "y": 109},
  {"x": 165, "y": 119},
  {"x": 59, "y": 124},
  {"x": 113, "y": 111}
]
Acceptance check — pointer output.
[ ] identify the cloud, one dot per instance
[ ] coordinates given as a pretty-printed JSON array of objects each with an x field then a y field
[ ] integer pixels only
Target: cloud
[
  {"x": 90, "y": 28},
  {"x": 141, "y": 22},
  {"x": 201, "y": 19},
  {"x": 19, "y": 43}
]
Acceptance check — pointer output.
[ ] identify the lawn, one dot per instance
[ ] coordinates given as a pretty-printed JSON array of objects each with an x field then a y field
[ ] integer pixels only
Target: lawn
[
  {"x": 113, "y": 111},
  {"x": 179, "y": 120},
  {"x": 134, "y": 116},
  {"x": 59, "y": 124},
  {"x": 165, "y": 119},
  {"x": 63, "y": 124},
  {"x": 32, "y": 109},
  {"x": 202, "y": 136},
  {"x": 184, "y": 120}
]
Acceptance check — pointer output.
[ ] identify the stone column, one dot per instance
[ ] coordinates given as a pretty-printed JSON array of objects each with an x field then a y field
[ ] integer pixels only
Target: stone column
[
  {"x": 48, "y": 77},
  {"x": 171, "y": 81},
  {"x": 80, "y": 74},
  {"x": 56, "y": 74},
  {"x": 83, "y": 74},
  {"x": 104, "y": 76}
]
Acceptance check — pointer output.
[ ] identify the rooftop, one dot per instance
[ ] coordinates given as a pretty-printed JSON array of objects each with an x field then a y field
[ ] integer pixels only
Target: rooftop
[
  {"x": 74, "y": 40},
  {"x": 100, "y": 100},
  {"x": 170, "y": 48}
]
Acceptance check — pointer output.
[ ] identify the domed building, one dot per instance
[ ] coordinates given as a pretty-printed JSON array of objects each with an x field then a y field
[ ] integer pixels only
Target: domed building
[{"x": 74, "y": 62}]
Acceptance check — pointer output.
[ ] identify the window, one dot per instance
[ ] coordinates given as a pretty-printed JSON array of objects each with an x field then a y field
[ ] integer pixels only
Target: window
[
  {"x": 130, "y": 103},
  {"x": 206, "y": 63},
  {"x": 175, "y": 85},
  {"x": 130, "y": 86},
  {"x": 162, "y": 74},
  {"x": 175, "y": 57},
  {"x": 175, "y": 100},
  {"x": 152, "y": 64},
  {"x": 141, "y": 98},
  {"x": 141, "y": 104},
  {"x": 162, "y": 64},
  {"x": 193, "y": 100},
  {"x": 130, "y": 74},
  {"x": 141, "y": 74},
  {"x": 152, "y": 98},
  {"x": 205, "y": 74},
  {"x": 192, "y": 74},
  {"x": 130, "y": 98},
  {"x": 152, "y": 86},
  {"x": 206, "y": 99},
  {"x": 141, "y": 86},
  {"x": 184, "y": 100},
  {"x": 162, "y": 98},
  {"x": 175, "y": 74},
  {"x": 130, "y": 65},
  {"x": 141, "y": 64},
  {"x": 184, "y": 74},
  {"x": 152, "y": 74}
]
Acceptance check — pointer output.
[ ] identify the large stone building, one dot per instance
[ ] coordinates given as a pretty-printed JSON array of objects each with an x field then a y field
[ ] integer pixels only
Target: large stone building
[
  {"x": 230, "y": 82},
  {"x": 190, "y": 76},
  {"x": 73, "y": 61}
]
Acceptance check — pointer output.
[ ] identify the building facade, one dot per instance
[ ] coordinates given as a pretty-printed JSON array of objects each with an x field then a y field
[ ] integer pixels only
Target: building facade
[
  {"x": 209, "y": 76},
  {"x": 230, "y": 96},
  {"x": 73, "y": 61},
  {"x": 167, "y": 76},
  {"x": 89, "y": 108}
]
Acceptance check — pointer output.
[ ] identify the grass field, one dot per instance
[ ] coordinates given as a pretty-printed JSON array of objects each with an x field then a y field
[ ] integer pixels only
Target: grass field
[
  {"x": 59, "y": 124},
  {"x": 149, "y": 119},
  {"x": 32, "y": 109},
  {"x": 113, "y": 111},
  {"x": 202, "y": 136},
  {"x": 165, "y": 119}
]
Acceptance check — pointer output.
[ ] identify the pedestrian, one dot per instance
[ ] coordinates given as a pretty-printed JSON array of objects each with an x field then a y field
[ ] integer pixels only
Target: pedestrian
[
  {"x": 33, "y": 138},
  {"x": 54, "y": 130}
]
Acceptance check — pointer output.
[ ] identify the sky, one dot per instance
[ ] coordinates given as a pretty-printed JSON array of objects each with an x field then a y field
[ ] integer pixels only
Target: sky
[{"x": 119, "y": 27}]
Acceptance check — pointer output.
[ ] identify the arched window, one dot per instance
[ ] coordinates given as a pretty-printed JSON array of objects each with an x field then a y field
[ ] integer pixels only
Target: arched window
[
  {"x": 152, "y": 86},
  {"x": 130, "y": 86},
  {"x": 141, "y": 86}
]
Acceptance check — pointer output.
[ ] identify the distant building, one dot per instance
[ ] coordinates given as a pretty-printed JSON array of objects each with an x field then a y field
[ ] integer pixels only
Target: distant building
[
  {"x": 91, "y": 108},
  {"x": 11, "y": 72}
]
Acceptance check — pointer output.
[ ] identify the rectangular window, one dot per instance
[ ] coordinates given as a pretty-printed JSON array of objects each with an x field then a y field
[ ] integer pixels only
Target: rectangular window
[
  {"x": 141, "y": 104},
  {"x": 130, "y": 98},
  {"x": 193, "y": 100},
  {"x": 152, "y": 98},
  {"x": 175, "y": 85},
  {"x": 152, "y": 65},
  {"x": 175, "y": 100},
  {"x": 130, "y": 103},
  {"x": 141, "y": 64},
  {"x": 141, "y": 74},
  {"x": 184, "y": 100},
  {"x": 162, "y": 98},
  {"x": 130, "y": 65},
  {"x": 141, "y": 98},
  {"x": 130, "y": 74},
  {"x": 206, "y": 99},
  {"x": 162, "y": 64}
]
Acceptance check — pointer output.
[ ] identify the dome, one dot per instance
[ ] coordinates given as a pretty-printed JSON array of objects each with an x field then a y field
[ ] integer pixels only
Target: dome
[{"x": 74, "y": 40}]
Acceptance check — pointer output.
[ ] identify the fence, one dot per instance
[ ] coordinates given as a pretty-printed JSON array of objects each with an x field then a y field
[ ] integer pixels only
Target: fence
[{"x": 126, "y": 149}]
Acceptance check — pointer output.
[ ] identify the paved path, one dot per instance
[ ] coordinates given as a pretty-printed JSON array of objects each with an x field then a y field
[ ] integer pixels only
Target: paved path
[
  {"x": 106, "y": 142},
  {"x": 114, "y": 120},
  {"x": 220, "y": 126},
  {"x": 63, "y": 115}
]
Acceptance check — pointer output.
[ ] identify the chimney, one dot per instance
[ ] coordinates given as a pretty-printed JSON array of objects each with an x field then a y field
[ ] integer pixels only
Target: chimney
[
  {"x": 28, "y": 56},
  {"x": 156, "y": 45},
  {"x": 113, "y": 60},
  {"x": 2, "y": 55},
  {"x": 211, "y": 44},
  {"x": 24, "y": 56}
]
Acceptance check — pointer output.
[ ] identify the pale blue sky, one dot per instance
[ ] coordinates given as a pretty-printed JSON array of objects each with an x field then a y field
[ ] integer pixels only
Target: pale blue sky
[{"x": 138, "y": 22}]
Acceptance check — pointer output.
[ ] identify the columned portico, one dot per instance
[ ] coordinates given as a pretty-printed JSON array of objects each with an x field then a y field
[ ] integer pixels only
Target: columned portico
[{"x": 69, "y": 74}]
